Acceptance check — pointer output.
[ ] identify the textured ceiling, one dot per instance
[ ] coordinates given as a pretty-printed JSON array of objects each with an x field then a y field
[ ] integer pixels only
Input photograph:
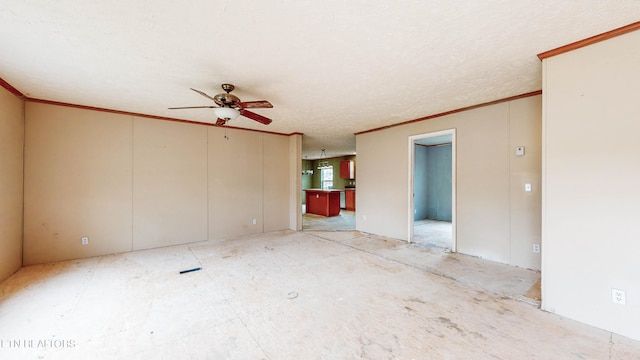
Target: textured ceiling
[{"x": 330, "y": 68}]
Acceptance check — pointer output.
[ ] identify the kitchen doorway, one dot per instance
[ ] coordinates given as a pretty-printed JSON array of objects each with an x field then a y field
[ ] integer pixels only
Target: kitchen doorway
[
  {"x": 432, "y": 190},
  {"x": 327, "y": 175}
]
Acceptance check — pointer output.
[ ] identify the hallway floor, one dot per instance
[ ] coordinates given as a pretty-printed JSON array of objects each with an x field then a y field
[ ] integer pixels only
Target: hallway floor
[
  {"x": 433, "y": 233},
  {"x": 288, "y": 295}
]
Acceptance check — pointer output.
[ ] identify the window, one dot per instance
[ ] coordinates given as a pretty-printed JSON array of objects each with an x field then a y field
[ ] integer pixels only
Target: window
[{"x": 326, "y": 177}]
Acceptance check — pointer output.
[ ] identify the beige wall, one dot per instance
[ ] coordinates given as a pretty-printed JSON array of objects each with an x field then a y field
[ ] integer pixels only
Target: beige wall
[
  {"x": 11, "y": 196},
  {"x": 525, "y": 207},
  {"x": 78, "y": 182},
  {"x": 169, "y": 183},
  {"x": 248, "y": 179},
  {"x": 276, "y": 183},
  {"x": 496, "y": 219},
  {"x": 133, "y": 183},
  {"x": 591, "y": 238},
  {"x": 235, "y": 182},
  {"x": 295, "y": 182}
]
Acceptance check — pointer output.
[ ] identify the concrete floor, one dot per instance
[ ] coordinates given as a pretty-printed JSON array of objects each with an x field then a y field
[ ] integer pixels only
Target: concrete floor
[{"x": 288, "y": 295}]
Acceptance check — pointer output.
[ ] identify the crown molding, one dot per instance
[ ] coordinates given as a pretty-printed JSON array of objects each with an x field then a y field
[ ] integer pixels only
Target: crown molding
[
  {"x": 589, "y": 41},
  {"x": 11, "y": 89},
  {"x": 533, "y": 93},
  {"x": 19, "y": 94}
]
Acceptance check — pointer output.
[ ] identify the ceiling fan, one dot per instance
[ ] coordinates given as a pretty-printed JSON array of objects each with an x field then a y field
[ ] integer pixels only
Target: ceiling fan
[{"x": 230, "y": 107}]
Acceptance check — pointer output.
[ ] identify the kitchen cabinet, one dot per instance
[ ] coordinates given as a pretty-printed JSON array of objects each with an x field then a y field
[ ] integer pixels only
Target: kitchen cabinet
[
  {"x": 350, "y": 199},
  {"x": 347, "y": 169},
  {"x": 323, "y": 202}
]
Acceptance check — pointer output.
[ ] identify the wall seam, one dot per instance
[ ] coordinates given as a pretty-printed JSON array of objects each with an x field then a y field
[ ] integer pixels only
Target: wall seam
[
  {"x": 208, "y": 197},
  {"x": 509, "y": 158},
  {"x": 24, "y": 153},
  {"x": 263, "y": 179},
  {"x": 133, "y": 120}
]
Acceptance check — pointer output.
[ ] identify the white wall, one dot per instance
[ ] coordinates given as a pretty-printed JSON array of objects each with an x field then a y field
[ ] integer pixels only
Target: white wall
[
  {"x": 133, "y": 183},
  {"x": 591, "y": 237},
  {"x": 11, "y": 167},
  {"x": 490, "y": 179}
]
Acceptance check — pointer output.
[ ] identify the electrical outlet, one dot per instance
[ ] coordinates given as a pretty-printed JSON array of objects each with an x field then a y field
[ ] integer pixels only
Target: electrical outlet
[
  {"x": 536, "y": 248},
  {"x": 364, "y": 217},
  {"x": 527, "y": 187},
  {"x": 254, "y": 221},
  {"x": 85, "y": 240},
  {"x": 618, "y": 297}
]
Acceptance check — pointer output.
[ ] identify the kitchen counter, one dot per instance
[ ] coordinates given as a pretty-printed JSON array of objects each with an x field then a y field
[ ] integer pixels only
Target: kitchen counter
[
  {"x": 323, "y": 202},
  {"x": 327, "y": 191}
]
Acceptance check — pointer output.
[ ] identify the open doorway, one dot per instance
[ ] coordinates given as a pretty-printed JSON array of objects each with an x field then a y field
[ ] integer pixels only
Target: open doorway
[
  {"x": 432, "y": 190},
  {"x": 328, "y": 177}
]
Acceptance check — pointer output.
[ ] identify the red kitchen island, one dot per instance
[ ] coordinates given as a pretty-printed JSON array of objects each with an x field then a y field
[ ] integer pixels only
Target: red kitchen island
[{"x": 323, "y": 202}]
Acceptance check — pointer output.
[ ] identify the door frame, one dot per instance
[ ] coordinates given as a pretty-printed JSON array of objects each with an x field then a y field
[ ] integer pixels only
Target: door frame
[{"x": 410, "y": 211}]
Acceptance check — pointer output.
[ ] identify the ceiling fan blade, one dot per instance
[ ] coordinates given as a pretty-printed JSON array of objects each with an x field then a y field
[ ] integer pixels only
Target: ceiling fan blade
[
  {"x": 193, "y": 107},
  {"x": 256, "y": 117},
  {"x": 203, "y": 94},
  {"x": 256, "y": 104},
  {"x": 221, "y": 122}
]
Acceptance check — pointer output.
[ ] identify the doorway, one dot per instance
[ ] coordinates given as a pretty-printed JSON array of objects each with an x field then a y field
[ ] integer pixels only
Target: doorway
[
  {"x": 325, "y": 174},
  {"x": 432, "y": 190}
]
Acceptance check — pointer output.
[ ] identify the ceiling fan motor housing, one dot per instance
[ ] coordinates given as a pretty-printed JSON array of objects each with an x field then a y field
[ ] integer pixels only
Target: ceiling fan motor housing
[{"x": 226, "y": 100}]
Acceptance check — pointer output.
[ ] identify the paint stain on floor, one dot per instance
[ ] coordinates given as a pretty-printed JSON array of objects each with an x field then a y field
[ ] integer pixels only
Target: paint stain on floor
[{"x": 535, "y": 292}]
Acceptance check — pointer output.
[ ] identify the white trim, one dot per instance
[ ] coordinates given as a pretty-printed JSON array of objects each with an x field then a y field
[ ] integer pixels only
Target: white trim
[{"x": 412, "y": 139}]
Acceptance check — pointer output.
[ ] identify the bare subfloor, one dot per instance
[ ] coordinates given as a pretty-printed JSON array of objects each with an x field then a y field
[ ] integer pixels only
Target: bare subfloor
[
  {"x": 288, "y": 295},
  {"x": 345, "y": 221},
  {"x": 433, "y": 233}
]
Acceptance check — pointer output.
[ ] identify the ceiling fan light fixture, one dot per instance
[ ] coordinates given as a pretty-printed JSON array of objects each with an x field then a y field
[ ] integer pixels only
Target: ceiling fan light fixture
[{"x": 226, "y": 113}]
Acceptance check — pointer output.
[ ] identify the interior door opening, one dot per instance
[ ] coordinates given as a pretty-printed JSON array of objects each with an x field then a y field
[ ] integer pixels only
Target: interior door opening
[
  {"x": 432, "y": 220},
  {"x": 331, "y": 183}
]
